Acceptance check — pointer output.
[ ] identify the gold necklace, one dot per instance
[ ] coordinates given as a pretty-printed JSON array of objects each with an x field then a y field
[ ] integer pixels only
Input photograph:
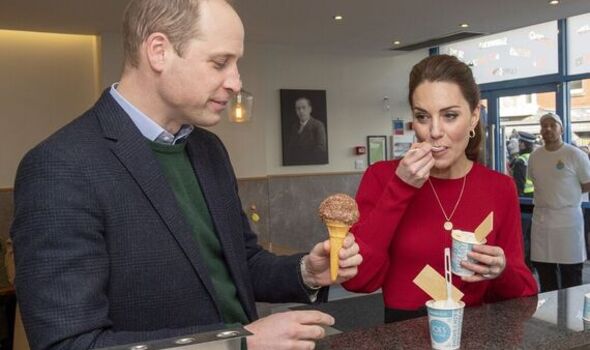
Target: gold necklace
[{"x": 448, "y": 225}]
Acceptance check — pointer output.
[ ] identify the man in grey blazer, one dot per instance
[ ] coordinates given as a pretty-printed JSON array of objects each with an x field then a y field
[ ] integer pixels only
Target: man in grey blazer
[{"x": 128, "y": 226}]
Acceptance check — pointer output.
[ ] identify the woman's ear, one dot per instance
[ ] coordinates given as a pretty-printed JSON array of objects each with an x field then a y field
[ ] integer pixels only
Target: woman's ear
[{"x": 475, "y": 116}]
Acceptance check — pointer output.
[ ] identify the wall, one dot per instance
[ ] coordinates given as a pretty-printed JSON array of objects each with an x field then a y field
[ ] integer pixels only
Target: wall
[
  {"x": 47, "y": 94},
  {"x": 45, "y": 81},
  {"x": 287, "y": 197},
  {"x": 287, "y": 206},
  {"x": 111, "y": 58},
  {"x": 355, "y": 85}
]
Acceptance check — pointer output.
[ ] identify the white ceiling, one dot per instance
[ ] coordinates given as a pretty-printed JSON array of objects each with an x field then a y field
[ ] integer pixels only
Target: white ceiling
[{"x": 368, "y": 26}]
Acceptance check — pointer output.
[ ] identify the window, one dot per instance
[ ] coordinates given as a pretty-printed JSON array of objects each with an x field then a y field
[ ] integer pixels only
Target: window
[
  {"x": 521, "y": 113},
  {"x": 578, "y": 37},
  {"x": 576, "y": 88},
  {"x": 518, "y": 72},
  {"x": 580, "y": 111},
  {"x": 515, "y": 54}
]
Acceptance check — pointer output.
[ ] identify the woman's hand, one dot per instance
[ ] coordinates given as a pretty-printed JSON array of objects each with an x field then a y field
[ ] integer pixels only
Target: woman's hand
[
  {"x": 414, "y": 168},
  {"x": 491, "y": 262}
]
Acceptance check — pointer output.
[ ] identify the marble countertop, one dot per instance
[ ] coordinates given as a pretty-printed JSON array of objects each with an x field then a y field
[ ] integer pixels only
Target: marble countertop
[{"x": 551, "y": 320}]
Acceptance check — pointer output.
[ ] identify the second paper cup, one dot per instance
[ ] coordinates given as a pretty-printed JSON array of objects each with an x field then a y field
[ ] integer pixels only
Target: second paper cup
[{"x": 463, "y": 242}]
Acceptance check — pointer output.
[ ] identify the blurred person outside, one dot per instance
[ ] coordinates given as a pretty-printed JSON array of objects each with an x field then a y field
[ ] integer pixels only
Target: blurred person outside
[
  {"x": 512, "y": 150},
  {"x": 524, "y": 185}
]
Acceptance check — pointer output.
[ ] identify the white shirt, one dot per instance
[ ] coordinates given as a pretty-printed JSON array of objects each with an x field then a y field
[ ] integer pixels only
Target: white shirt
[
  {"x": 558, "y": 226},
  {"x": 559, "y": 175}
]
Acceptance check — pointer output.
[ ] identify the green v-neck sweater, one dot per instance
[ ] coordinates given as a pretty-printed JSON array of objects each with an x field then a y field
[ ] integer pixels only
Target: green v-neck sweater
[{"x": 181, "y": 177}]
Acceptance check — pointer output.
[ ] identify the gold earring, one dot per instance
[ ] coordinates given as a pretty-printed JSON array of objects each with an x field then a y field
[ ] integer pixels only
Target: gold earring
[{"x": 471, "y": 133}]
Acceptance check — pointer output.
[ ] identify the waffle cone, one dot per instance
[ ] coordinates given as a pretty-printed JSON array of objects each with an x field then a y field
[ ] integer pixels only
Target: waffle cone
[{"x": 337, "y": 231}]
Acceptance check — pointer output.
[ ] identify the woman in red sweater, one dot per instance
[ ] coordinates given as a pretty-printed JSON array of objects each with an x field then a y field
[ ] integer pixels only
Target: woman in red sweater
[{"x": 408, "y": 207}]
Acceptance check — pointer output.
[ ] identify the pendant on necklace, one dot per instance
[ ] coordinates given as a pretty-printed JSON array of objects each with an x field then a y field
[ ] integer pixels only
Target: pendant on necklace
[{"x": 448, "y": 225}]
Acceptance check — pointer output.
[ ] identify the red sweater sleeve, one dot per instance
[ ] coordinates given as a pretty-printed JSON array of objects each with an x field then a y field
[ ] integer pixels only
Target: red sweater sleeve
[
  {"x": 516, "y": 280},
  {"x": 382, "y": 198}
]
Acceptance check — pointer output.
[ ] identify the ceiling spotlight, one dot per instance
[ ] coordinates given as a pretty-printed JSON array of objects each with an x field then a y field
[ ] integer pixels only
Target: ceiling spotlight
[
  {"x": 397, "y": 42},
  {"x": 553, "y": 2},
  {"x": 338, "y": 18},
  {"x": 464, "y": 25}
]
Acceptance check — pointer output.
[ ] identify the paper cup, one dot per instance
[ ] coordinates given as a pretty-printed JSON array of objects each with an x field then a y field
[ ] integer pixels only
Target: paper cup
[
  {"x": 586, "y": 313},
  {"x": 445, "y": 323},
  {"x": 463, "y": 243}
]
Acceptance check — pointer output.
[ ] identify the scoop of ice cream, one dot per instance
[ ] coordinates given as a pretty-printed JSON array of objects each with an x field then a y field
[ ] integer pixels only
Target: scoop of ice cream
[
  {"x": 339, "y": 207},
  {"x": 446, "y": 304}
]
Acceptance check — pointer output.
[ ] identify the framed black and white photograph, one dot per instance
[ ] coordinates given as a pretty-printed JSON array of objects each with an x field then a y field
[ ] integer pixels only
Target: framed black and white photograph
[
  {"x": 376, "y": 148},
  {"x": 304, "y": 127}
]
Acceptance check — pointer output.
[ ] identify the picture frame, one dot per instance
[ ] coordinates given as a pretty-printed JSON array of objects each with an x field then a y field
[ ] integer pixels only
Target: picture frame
[
  {"x": 304, "y": 127},
  {"x": 376, "y": 148},
  {"x": 400, "y": 145}
]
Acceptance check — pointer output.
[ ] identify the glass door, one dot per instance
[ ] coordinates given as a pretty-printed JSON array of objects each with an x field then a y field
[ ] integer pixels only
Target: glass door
[
  {"x": 485, "y": 156},
  {"x": 511, "y": 111},
  {"x": 579, "y": 111}
]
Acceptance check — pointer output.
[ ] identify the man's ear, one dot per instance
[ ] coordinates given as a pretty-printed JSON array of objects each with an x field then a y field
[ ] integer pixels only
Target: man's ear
[{"x": 157, "y": 49}]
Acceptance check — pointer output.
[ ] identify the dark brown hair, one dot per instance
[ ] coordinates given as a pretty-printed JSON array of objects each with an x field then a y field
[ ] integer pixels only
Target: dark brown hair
[{"x": 446, "y": 68}]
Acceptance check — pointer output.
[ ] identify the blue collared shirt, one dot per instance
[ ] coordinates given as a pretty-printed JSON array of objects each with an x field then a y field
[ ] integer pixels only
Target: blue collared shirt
[{"x": 149, "y": 128}]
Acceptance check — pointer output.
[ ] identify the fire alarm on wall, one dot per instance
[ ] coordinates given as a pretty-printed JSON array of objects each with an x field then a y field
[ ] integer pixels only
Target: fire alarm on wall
[{"x": 358, "y": 150}]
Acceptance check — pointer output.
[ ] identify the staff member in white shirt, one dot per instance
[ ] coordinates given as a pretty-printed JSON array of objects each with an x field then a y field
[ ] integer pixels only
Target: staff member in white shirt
[{"x": 560, "y": 174}]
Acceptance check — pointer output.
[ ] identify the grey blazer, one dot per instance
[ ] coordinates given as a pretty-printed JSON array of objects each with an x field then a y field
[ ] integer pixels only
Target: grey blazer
[{"x": 103, "y": 253}]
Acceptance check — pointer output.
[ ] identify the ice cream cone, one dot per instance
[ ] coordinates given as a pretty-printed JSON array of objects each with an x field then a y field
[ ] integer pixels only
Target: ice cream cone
[{"x": 337, "y": 231}]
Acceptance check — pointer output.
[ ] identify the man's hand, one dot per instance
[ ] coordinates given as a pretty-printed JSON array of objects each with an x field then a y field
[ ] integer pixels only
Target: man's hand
[
  {"x": 291, "y": 330},
  {"x": 316, "y": 265}
]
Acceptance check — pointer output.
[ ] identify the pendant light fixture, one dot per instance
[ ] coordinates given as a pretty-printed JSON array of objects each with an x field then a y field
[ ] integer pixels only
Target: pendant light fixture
[{"x": 240, "y": 107}]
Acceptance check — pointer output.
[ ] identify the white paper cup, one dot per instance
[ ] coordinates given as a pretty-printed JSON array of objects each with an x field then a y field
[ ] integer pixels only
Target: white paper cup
[
  {"x": 586, "y": 313},
  {"x": 463, "y": 242},
  {"x": 445, "y": 323}
]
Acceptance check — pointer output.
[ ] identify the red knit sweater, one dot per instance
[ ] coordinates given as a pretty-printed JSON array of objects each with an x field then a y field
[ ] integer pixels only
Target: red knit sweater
[{"x": 401, "y": 230}]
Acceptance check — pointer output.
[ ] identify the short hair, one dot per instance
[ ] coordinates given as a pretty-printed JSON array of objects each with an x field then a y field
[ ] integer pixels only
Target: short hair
[
  {"x": 177, "y": 19},
  {"x": 303, "y": 98},
  {"x": 447, "y": 68}
]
